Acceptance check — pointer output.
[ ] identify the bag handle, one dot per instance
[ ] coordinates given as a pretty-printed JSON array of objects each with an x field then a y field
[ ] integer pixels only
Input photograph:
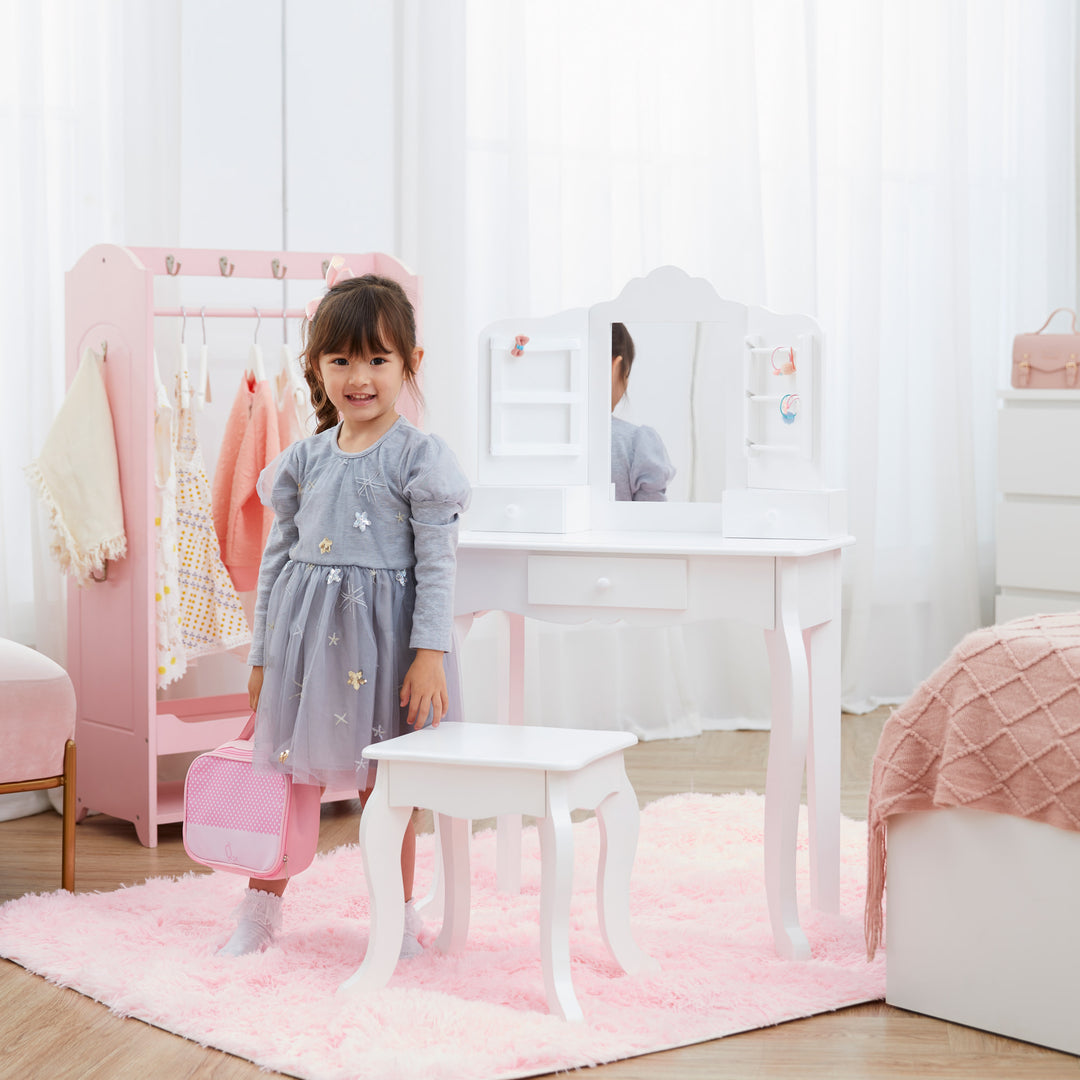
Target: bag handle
[
  {"x": 249, "y": 727},
  {"x": 1057, "y": 311}
]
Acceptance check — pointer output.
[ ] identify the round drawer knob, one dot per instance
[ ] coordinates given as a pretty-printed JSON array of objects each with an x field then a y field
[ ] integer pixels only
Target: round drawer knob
[
  {"x": 603, "y": 583},
  {"x": 513, "y": 511}
]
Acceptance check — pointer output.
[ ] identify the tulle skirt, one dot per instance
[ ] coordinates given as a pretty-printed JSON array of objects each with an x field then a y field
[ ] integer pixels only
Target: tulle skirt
[{"x": 336, "y": 654}]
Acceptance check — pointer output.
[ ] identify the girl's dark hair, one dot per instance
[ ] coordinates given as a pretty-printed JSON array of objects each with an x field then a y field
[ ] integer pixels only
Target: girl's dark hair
[
  {"x": 622, "y": 344},
  {"x": 361, "y": 316}
]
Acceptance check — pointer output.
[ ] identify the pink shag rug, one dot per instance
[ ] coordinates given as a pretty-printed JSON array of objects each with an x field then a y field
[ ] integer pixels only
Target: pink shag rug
[{"x": 697, "y": 904}]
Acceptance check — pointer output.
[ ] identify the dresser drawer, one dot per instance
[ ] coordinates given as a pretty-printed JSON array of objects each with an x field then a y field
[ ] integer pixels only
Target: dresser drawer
[
  {"x": 1038, "y": 545},
  {"x": 607, "y": 581},
  {"x": 1039, "y": 449}
]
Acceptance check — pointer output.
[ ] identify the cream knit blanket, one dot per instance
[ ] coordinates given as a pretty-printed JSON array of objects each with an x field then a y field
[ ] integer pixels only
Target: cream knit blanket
[
  {"x": 996, "y": 727},
  {"x": 78, "y": 478}
]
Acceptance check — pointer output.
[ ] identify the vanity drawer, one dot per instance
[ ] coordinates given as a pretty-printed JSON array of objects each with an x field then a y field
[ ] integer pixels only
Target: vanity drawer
[{"x": 607, "y": 581}]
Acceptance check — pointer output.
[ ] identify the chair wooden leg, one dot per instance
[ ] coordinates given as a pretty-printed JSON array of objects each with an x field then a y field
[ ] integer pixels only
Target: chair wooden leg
[{"x": 67, "y": 863}]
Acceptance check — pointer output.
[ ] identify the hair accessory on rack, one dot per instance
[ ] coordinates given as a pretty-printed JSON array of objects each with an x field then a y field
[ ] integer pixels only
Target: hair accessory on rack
[
  {"x": 336, "y": 271},
  {"x": 518, "y": 348},
  {"x": 789, "y": 408},
  {"x": 787, "y": 365}
]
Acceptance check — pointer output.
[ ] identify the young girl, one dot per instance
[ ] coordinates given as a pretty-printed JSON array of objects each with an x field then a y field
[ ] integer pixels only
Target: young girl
[
  {"x": 640, "y": 467},
  {"x": 354, "y": 613}
]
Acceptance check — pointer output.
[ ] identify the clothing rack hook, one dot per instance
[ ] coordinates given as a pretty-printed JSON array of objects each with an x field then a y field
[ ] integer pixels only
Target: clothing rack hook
[
  {"x": 258, "y": 322},
  {"x": 325, "y": 266},
  {"x": 277, "y": 269},
  {"x": 226, "y": 267},
  {"x": 172, "y": 267}
]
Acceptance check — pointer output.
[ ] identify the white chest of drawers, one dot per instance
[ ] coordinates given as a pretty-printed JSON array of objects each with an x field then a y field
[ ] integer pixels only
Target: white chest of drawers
[{"x": 1038, "y": 514}]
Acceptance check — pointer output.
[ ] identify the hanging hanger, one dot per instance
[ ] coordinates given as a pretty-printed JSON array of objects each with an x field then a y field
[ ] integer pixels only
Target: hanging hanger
[
  {"x": 183, "y": 375},
  {"x": 255, "y": 353},
  {"x": 202, "y": 387}
]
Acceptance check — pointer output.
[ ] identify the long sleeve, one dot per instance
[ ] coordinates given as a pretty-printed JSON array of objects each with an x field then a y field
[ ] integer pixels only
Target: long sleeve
[
  {"x": 650, "y": 467},
  {"x": 438, "y": 492},
  {"x": 284, "y": 499}
]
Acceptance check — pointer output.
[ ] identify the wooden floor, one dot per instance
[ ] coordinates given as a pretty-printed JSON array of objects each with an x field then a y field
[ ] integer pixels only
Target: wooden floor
[{"x": 58, "y": 1034}]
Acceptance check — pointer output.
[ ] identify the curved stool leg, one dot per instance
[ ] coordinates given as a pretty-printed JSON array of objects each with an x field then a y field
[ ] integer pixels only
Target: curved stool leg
[
  {"x": 556, "y": 883},
  {"x": 618, "y": 816},
  {"x": 454, "y": 850},
  {"x": 382, "y": 828}
]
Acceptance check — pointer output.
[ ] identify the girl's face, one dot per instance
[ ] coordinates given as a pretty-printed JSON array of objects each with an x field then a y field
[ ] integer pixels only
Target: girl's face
[{"x": 365, "y": 389}]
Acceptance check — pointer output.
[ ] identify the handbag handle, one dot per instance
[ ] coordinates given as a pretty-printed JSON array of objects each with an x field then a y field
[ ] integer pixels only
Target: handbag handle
[
  {"x": 249, "y": 727},
  {"x": 1057, "y": 311}
]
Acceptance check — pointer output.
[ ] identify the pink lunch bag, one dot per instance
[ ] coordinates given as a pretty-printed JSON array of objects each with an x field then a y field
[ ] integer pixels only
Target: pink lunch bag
[{"x": 259, "y": 824}]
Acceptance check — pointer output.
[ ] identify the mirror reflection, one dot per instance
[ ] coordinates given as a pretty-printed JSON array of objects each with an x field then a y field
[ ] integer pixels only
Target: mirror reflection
[
  {"x": 640, "y": 466},
  {"x": 667, "y": 413}
]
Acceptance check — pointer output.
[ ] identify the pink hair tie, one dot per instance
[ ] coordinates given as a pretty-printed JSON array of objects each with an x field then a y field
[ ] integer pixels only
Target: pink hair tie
[
  {"x": 787, "y": 365},
  {"x": 518, "y": 348},
  {"x": 336, "y": 271}
]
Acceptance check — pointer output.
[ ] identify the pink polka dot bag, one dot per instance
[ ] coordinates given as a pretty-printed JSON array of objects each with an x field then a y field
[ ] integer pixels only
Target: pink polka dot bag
[{"x": 259, "y": 824}]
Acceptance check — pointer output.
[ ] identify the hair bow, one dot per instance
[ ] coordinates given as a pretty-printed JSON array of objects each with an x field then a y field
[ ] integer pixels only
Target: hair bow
[{"x": 336, "y": 271}]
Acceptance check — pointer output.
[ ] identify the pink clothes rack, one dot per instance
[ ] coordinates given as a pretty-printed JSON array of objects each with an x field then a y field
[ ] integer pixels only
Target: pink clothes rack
[{"x": 121, "y": 728}]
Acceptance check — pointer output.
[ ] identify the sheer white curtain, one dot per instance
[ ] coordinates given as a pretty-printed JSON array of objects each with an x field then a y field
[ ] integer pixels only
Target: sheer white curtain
[
  {"x": 903, "y": 172},
  {"x": 88, "y": 126},
  {"x": 87, "y": 123}
]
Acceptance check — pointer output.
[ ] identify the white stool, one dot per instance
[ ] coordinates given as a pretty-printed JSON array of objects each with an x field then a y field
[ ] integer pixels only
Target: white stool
[{"x": 463, "y": 771}]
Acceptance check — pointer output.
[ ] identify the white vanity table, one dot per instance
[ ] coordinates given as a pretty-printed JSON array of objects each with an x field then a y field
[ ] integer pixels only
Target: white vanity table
[{"x": 767, "y": 556}]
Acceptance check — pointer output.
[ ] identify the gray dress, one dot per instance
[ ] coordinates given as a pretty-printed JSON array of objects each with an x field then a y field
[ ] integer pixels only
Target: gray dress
[
  {"x": 358, "y": 572},
  {"x": 640, "y": 467}
]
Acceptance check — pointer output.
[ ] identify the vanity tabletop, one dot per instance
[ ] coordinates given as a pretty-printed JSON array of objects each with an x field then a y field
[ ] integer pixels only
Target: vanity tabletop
[{"x": 647, "y": 543}]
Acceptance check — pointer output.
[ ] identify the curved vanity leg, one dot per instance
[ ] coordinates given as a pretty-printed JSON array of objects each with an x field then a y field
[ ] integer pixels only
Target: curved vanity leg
[
  {"x": 787, "y": 758},
  {"x": 823, "y": 764},
  {"x": 382, "y": 828},
  {"x": 556, "y": 883},
  {"x": 511, "y": 710},
  {"x": 618, "y": 817},
  {"x": 454, "y": 848}
]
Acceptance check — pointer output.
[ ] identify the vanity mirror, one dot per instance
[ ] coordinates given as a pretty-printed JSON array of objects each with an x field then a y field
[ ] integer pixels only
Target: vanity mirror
[{"x": 731, "y": 392}]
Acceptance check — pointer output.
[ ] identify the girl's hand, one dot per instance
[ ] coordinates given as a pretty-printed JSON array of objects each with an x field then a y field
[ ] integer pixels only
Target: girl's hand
[
  {"x": 424, "y": 688},
  {"x": 255, "y": 687}
]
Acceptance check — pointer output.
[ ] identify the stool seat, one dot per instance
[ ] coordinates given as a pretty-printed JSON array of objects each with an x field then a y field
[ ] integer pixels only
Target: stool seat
[
  {"x": 37, "y": 728},
  {"x": 462, "y": 771}
]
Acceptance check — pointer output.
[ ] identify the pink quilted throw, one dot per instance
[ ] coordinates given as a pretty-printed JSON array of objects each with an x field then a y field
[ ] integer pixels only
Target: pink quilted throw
[{"x": 996, "y": 727}]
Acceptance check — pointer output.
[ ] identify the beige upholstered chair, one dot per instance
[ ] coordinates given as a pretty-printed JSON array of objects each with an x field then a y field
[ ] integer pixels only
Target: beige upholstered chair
[{"x": 37, "y": 728}]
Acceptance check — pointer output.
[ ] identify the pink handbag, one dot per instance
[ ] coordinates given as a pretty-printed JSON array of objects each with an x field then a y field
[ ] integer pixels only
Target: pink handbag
[
  {"x": 259, "y": 824},
  {"x": 1047, "y": 361}
]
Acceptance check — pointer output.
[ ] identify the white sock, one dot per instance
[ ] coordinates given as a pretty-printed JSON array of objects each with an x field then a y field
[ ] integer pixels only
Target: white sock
[
  {"x": 258, "y": 918},
  {"x": 410, "y": 943}
]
